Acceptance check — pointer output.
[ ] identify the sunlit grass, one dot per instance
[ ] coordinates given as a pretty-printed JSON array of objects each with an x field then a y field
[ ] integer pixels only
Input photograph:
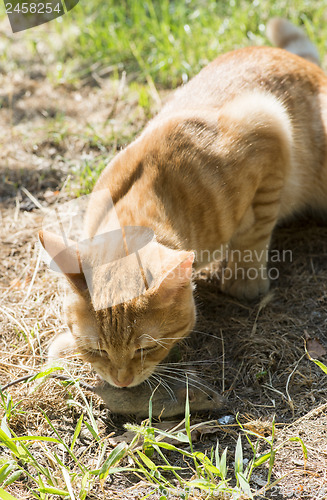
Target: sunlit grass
[
  {"x": 52, "y": 465},
  {"x": 170, "y": 41}
]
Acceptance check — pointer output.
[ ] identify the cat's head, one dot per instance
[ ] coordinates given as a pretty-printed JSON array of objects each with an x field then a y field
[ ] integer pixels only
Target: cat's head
[{"x": 124, "y": 342}]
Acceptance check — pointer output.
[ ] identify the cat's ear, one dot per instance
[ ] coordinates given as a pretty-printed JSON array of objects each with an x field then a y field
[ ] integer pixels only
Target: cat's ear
[
  {"x": 65, "y": 258},
  {"x": 177, "y": 277}
]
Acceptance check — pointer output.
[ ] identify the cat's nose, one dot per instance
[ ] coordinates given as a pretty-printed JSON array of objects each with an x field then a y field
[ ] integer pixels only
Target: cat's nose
[{"x": 123, "y": 381}]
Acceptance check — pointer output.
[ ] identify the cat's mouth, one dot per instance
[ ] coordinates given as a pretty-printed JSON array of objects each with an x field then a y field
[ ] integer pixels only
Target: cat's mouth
[{"x": 126, "y": 382}]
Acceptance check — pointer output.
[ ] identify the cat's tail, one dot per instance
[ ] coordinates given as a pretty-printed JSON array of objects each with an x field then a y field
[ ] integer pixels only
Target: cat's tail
[{"x": 289, "y": 37}]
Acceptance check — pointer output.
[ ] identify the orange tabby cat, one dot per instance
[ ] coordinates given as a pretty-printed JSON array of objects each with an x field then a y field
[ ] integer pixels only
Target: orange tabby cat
[{"x": 237, "y": 149}]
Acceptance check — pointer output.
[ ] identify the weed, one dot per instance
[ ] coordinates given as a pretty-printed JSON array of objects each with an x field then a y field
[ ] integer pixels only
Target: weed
[
  {"x": 62, "y": 471},
  {"x": 168, "y": 42}
]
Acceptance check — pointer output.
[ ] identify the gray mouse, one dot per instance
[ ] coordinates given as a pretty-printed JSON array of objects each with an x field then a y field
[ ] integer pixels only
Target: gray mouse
[
  {"x": 166, "y": 403},
  {"x": 168, "y": 400}
]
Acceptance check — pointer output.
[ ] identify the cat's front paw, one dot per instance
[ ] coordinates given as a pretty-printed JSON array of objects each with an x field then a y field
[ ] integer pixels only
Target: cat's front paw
[
  {"x": 245, "y": 288},
  {"x": 62, "y": 345}
]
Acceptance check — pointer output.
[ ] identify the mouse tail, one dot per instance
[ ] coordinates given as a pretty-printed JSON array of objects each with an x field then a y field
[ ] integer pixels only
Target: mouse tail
[{"x": 285, "y": 35}]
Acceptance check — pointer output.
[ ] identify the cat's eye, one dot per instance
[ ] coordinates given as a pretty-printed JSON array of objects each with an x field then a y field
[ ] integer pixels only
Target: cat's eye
[
  {"x": 102, "y": 352},
  {"x": 97, "y": 352},
  {"x": 141, "y": 350}
]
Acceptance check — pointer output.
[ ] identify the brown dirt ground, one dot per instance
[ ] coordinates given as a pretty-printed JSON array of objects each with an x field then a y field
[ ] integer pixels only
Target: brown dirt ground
[{"x": 254, "y": 353}]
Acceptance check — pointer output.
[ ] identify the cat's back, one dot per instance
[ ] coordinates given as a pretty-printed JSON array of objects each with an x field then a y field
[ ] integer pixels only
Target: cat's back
[
  {"x": 179, "y": 150},
  {"x": 300, "y": 87},
  {"x": 287, "y": 76}
]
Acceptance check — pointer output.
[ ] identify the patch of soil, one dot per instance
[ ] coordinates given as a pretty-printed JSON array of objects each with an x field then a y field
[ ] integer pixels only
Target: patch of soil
[
  {"x": 301, "y": 462},
  {"x": 48, "y": 130}
]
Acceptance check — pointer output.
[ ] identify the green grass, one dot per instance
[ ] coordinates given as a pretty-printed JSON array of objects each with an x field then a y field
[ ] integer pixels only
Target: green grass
[
  {"x": 161, "y": 44},
  {"x": 38, "y": 461},
  {"x": 167, "y": 41},
  {"x": 170, "y": 41}
]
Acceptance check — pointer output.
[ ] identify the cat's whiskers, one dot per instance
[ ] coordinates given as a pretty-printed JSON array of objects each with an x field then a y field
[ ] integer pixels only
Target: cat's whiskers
[
  {"x": 165, "y": 385},
  {"x": 149, "y": 384},
  {"x": 101, "y": 351},
  {"x": 181, "y": 371},
  {"x": 192, "y": 382},
  {"x": 157, "y": 341},
  {"x": 208, "y": 334},
  {"x": 189, "y": 363}
]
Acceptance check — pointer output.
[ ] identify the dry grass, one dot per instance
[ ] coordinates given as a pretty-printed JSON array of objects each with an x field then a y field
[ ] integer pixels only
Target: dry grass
[{"x": 253, "y": 353}]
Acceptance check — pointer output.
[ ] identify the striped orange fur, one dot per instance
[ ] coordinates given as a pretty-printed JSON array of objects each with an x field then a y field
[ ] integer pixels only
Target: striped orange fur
[{"x": 239, "y": 148}]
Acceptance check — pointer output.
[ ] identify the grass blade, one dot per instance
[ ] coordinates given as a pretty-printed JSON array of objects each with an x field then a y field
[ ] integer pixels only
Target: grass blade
[
  {"x": 146, "y": 460},
  {"x": 77, "y": 431},
  {"x": 261, "y": 459},
  {"x": 320, "y": 364},
  {"x": 244, "y": 485},
  {"x": 304, "y": 448},
  {"x": 14, "y": 477},
  {"x": 4, "y": 495},
  {"x": 54, "y": 491},
  {"x": 238, "y": 457},
  {"x": 188, "y": 418},
  {"x": 6, "y": 470},
  {"x": 114, "y": 457}
]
